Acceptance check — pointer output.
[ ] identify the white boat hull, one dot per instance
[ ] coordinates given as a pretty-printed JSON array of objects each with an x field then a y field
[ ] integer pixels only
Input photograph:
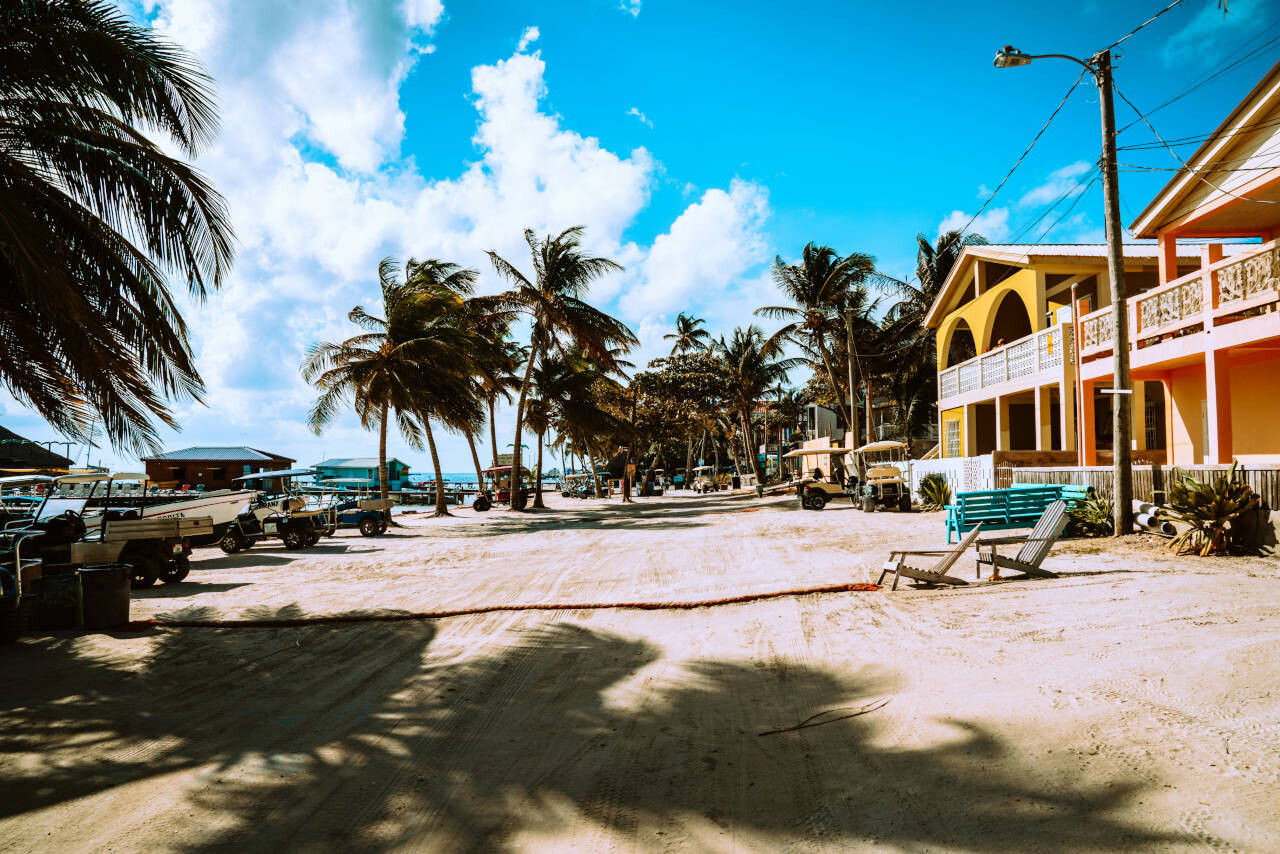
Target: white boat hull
[{"x": 222, "y": 505}]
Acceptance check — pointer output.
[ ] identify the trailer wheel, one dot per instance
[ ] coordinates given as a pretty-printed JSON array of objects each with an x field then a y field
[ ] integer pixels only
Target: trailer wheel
[
  {"x": 177, "y": 570},
  {"x": 146, "y": 570},
  {"x": 14, "y": 621},
  {"x": 368, "y": 527},
  {"x": 229, "y": 543},
  {"x": 480, "y": 505},
  {"x": 293, "y": 540}
]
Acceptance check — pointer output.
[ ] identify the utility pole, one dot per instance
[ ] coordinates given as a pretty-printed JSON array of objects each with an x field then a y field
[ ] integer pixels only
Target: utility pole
[
  {"x": 1099, "y": 65},
  {"x": 853, "y": 397},
  {"x": 1122, "y": 398}
]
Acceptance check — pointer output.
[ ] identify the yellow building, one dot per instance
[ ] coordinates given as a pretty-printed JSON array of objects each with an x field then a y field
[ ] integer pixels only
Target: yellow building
[{"x": 1204, "y": 326}]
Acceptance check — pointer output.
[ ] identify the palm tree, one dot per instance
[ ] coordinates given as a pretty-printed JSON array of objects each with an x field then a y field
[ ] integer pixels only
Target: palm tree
[
  {"x": 554, "y": 299},
  {"x": 821, "y": 287},
  {"x": 495, "y": 360},
  {"x": 95, "y": 216},
  {"x": 754, "y": 367},
  {"x": 381, "y": 371},
  {"x": 689, "y": 334}
]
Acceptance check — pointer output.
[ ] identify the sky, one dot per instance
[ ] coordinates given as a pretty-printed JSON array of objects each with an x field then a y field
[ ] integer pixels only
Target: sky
[{"x": 695, "y": 141}]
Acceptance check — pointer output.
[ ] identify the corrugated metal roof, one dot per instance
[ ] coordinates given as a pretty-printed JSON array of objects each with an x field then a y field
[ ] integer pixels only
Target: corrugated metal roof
[
  {"x": 222, "y": 453},
  {"x": 355, "y": 463},
  {"x": 1078, "y": 250}
]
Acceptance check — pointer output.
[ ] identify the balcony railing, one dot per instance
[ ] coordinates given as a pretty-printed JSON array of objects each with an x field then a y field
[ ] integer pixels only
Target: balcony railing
[{"x": 1025, "y": 357}]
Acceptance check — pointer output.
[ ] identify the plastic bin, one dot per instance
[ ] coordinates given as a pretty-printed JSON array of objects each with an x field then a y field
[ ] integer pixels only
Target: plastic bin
[
  {"x": 105, "y": 594},
  {"x": 58, "y": 600}
]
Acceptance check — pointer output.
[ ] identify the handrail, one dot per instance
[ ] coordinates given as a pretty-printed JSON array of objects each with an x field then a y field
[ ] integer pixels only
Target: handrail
[{"x": 1007, "y": 362}]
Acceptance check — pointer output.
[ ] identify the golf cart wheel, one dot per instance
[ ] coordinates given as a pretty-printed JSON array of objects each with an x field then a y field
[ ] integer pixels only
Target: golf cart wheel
[
  {"x": 904, "y": 504},
  {"x": 815, "y": 500},
  {"x": 245, "y": 543},
  {"x": 480, "y": 505},
  {"x": 368, "y": 527},
  {"x": 293, "y": 540},
  {"x": 383, "y": 524},
  {"x": 177, "y": 570},
  {"x": 313, "y": 537},
  {"x": 145, "y": 571},
  {"x": 14, "y": 620},
  {"x": 868, "y": 504},
  {"x": 229, "y": 543}
]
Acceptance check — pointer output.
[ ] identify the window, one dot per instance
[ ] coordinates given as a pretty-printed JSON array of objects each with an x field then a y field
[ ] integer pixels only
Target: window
[{"x": 952, "y": 429}]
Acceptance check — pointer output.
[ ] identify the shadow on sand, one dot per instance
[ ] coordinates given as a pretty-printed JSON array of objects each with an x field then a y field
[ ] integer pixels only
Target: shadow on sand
[{"x": 353, "y": 738}]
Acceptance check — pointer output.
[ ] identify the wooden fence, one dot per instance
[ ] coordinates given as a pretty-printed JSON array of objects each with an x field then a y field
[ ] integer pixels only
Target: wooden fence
[{"x": 1150, "y": 483}]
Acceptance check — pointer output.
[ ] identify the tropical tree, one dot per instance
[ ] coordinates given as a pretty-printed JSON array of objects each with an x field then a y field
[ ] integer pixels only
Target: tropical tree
[
  {"x": 383, "y": 370},
  {"x": 754, "y": 366},
  {"x": 821, "y": 288},
  {"x": 95, "y": 217},
  {"x": 554, "y": 299},
  {"x": 495, "y": 360},
  {"x": 689, "y": 334}
]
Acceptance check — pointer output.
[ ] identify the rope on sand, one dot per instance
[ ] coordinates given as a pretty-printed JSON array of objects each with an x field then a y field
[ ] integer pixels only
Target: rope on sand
[{"x": 141, "y": 625}]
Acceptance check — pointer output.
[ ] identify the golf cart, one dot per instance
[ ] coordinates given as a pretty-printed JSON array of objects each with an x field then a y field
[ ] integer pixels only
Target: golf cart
[
  {"x": 499, "y": 488},
  {"x": 285, "y": 516},
  {"x": 578, "y": 485},
  {"x": 827, "y": 478},
  {"x": 704, "y": 479},
  {"x": 882, "y": 479}
]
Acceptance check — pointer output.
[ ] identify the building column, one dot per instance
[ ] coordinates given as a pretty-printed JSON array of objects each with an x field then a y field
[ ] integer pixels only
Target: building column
[
  {"x": 969, "y": 430},
  {"x": 1167, "y": 255},
  {"x": 1138, "y": 413},
  {"x": 1166, "y": 385},
  {"x": 1002, "y": 423},
  {"x": 1087, "y": 436},
  {"x": 1217, "y": 394},
  {"x": 1067, "y": 414},
  {"x": 1044, "y": 417}
]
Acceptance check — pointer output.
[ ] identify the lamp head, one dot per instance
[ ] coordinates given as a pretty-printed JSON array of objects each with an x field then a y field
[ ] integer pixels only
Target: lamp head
[{"x": 1010, "y": 57}]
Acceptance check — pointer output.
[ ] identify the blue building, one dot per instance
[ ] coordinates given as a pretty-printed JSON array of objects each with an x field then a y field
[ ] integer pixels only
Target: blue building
[{"x": 362, "y": 472}]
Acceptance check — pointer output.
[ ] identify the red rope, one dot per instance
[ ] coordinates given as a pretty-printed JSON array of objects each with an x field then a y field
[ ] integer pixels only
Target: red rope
[{"x": 142, "y": 625}]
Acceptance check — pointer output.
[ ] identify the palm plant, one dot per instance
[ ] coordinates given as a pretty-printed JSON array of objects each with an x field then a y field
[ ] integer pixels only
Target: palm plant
[
  {"x": 754, "y": 366},
  {"x": 381, "y": 371},
  {"x": 689, "y": 334},
  {"x": 554, "y": 300},
  {"x": 821, "y": 288},
  {"x": 94, "y": 216},
  {"x": 1207, "y": 509}
]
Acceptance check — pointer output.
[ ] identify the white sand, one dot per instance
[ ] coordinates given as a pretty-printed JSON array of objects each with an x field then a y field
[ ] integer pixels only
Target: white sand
[{"x": 1127, "y": 706}]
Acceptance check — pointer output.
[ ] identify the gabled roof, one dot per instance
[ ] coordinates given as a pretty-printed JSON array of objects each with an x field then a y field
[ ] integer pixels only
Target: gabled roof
[
  {"x": 1029, "y": 254},
  {"x": 220, "y": 453},
  {"x": 356, "y": 463},
  {"x": 1245, "y": 120}
]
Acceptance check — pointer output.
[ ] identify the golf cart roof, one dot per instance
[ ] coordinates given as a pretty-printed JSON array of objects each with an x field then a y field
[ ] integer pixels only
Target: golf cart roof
[
  {"x": 20, "y": 480},
  {"x": 330, "y": 480},
  {"x": 497, "y": 469},
  {"x": 130, "y": 475},
  {"x": 815, "y": 452},
  {"x": 266, "y": 474},
  {"x": 83, "y": 477},
  {"x": 887, "y": 445}
]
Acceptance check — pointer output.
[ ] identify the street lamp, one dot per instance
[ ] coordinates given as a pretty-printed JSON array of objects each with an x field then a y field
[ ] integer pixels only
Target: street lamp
[{"x": 1099, "y": 65}]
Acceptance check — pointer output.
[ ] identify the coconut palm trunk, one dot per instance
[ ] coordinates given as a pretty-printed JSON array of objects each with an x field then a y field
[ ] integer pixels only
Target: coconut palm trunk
[
  {"x": 493, "y": 434},
  {"x": 754, "y": 454},
  {"x": 517, "y": 489},
  {"x": 834, "y": 379},
  {"x": 442, "y": 505},
  {"x": 382, "y": 451},
  {"x": 475, "y": 458},
  {"x": 537, "y": 484},
  {"x": 688, "y": 461},
  {"x": 595, "y": 469}
]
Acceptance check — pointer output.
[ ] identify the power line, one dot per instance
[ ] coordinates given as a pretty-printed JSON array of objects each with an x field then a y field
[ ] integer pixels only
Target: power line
[
  {"x": 1076, "y": 201},
  {"x": 1191, "y": 171},
  {"x": 1143, "y": 24},
  {"x": 1197, "y": 138}
]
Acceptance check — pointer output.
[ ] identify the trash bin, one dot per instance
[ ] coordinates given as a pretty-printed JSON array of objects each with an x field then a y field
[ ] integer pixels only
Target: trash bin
[
  {"x": 105, "y": 592},
  {"x": 646, "y": 489},
  {"x": 737, "y": 482},
  {"x": 58, "y": 599}
]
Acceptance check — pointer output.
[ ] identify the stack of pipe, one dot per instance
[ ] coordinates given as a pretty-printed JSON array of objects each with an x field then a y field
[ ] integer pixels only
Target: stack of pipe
[{"x": 1146, "y": 521}]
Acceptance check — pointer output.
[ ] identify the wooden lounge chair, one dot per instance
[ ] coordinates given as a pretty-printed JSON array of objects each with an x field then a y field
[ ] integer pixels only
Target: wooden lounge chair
[
  {"x": 937, "y": 574},
  {"x": 1035, "y": 546}
]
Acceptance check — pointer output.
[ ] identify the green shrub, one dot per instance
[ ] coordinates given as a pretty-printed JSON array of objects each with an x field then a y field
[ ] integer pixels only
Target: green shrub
[
  {"x": 1094, "y": 516},
  {"x": 1206, "y": 508},
  {"x": 934, "y": 491}
]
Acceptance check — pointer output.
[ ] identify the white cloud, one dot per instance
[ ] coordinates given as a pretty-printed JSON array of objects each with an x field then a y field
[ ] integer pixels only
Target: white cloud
[
  {"x": 1201, "y": 40},
  {"x": 310, "y": 161},
  {"x": 528, "y": 37},
  {"x": 992, "y": 224},
  {"x": 641, "y": 117},
  {"x": 1065, "y": 181},
  {"x": 631, "y": 7}
]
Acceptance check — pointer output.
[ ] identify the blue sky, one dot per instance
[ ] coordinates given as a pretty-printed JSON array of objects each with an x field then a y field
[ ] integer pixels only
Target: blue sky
[{"x": 694, "y": 140}]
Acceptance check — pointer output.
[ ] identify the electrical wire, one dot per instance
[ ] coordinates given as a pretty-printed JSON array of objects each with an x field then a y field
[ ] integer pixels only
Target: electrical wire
[
  {"x": 1143, "y": 24},
  {"x": 1198, "y": 138},
  {"x": 1191, "y": 171},
  {"x": 1074, "y": 202}
]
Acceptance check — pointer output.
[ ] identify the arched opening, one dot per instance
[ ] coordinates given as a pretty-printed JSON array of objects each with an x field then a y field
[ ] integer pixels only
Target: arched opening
[
  {"x": 1011, "y": 322},
  {"x": 961, "y": 346}
]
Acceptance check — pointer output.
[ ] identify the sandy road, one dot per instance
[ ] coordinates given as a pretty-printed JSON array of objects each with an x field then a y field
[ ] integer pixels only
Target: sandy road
[{"x": 1125, "y": 707}]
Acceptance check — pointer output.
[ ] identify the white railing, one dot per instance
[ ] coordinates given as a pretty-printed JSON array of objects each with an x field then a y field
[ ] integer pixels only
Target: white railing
[
  {"x": 1245, "y": 280},
  {"x": 1097, "y": 330},
  {"x": 1028, "y": 356},
  {"x": 1170, "y": 307}
]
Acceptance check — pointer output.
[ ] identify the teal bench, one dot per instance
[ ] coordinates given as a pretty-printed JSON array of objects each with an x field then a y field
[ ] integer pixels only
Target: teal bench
[
  {"x": 1072, "y": 493},
  {"x": 994, "y": 509}
]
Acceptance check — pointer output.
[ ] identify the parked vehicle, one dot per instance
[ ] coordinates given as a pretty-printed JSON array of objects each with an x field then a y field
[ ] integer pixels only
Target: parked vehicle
[
  {"x": 370, "y": 516},
  {"x": 704, "y": 479},
  {"x": 282, "y": 517},
  {"x": 881, "y": 477},
  {"x": 498, "y": 490},
  {"x": 867, "y": 476},
  {"x": 826, "y": 477}
]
